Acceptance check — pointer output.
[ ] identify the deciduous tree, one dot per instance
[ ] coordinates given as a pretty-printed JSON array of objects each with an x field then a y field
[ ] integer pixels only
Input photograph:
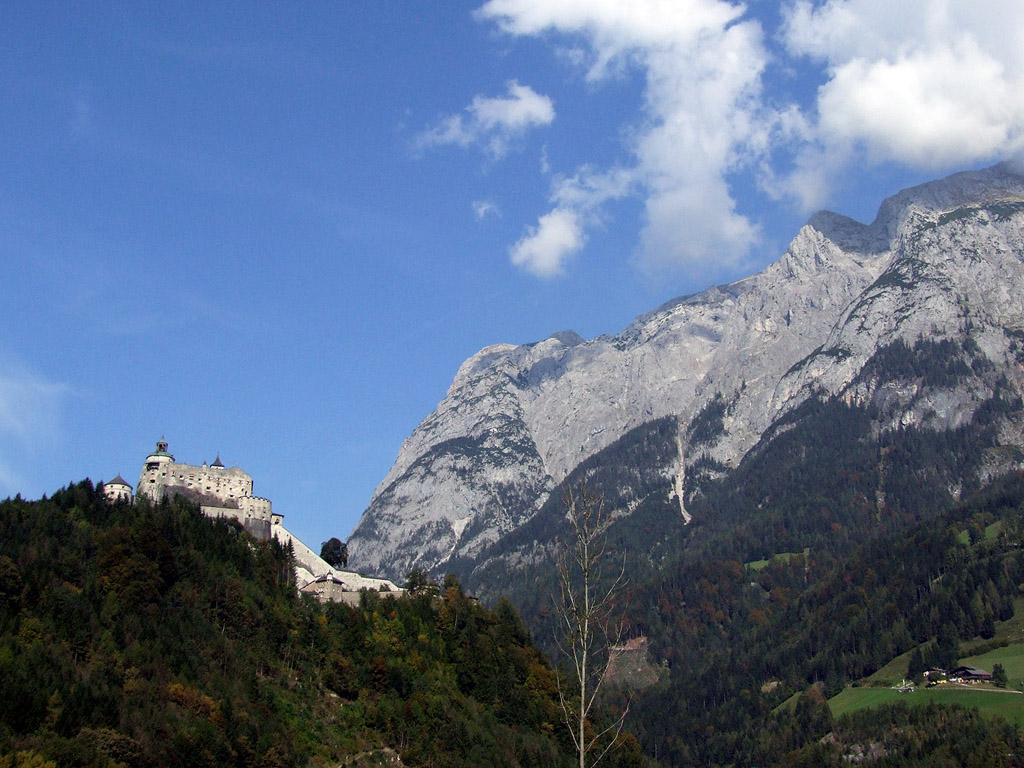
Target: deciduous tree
[
  {"x": 588, "y": 586},
  {"x": 334, "y": 552}
]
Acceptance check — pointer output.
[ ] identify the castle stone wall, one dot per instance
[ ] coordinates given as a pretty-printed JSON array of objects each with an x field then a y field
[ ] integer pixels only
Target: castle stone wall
[
  {"x": 220, "y": 492},
  {"x": 226, "y": 484},
  {"x": 251, "y": 519},
  {"x": 227, "y": 493},
  {"x": 115, "y": 491}
]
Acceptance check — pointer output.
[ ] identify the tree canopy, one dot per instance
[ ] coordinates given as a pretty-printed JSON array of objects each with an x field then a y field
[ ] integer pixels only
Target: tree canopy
[
  {"x": 150, "y": 635},
  {"x": 334, "y": 552}
]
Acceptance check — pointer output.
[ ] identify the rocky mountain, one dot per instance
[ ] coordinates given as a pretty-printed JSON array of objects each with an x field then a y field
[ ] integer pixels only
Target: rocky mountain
[{"x": 724, "y": 369}]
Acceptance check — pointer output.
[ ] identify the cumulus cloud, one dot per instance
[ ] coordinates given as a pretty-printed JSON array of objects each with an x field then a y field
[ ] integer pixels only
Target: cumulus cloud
[
  {"x": 613, "y": 28},
  {"x": 702, "y": 118},
  {"x": 930, "y": 84},
  {"x": 560, "y": 233},
  {"x": 546, "y": 247},
  {"x": 494, "y": 123}
]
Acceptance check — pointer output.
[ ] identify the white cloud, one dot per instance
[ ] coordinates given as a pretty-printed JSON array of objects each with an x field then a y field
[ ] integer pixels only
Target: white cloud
[
  {"x": 30, "y": 408},
  {"x": 546, "y": 247},
  {"x": 495, "y": 123},
  {"x": 931, "y": 83},
  {"x": 588, "y": 188},
  {"x": 614, "y": 28},
  {"x": 702, "y": 118},
  {"x": 484, "y": 208}
]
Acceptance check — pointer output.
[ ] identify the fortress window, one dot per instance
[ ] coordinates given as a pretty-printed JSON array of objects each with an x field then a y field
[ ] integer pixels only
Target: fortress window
[{"x": 153, "y": 465}]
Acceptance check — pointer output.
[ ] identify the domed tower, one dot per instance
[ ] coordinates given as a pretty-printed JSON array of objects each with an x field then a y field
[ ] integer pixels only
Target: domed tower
[
  {"x": 154, "y": 471},
  {"x": 118, "y": 490},
  {"x": 160, "y": 455}
]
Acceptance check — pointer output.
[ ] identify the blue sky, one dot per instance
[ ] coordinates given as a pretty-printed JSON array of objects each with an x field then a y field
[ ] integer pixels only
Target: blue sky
[{"x": 274, "y": 231}]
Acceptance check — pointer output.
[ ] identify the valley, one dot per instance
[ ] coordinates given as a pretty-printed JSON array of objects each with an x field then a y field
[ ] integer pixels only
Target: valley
[{"x": 851, "y": 427}]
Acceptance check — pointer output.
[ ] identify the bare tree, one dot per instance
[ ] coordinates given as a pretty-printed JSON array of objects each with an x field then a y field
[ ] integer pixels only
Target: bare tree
[{"x": 587, "y": 591}]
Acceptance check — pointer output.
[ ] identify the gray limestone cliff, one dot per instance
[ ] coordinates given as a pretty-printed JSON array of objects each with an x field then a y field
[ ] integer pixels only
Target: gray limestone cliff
[{"x": 940, "y": 260}]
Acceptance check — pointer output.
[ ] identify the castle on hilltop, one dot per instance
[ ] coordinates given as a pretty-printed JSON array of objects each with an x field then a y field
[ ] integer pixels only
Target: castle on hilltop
[
  {"x": 223, "y": 492},
  {"x": 219, "y": 491}
]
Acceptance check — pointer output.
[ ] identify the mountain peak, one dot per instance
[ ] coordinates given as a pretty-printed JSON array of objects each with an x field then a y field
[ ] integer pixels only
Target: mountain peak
[
  {"x": 569, "y": 338},
  {"x": 996, "y": 183},
  {"x": 721, "y": 366},
  {"x": 993, "y": 184}
]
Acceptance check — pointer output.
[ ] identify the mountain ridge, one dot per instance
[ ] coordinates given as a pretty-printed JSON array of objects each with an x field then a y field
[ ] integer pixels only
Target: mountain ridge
[{"x": 518, "y": 419}]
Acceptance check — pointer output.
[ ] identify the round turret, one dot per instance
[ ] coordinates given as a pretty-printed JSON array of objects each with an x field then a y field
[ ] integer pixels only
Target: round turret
[
  {"x": 118, "y": 490},
  {"x": 159, "y": 456}
]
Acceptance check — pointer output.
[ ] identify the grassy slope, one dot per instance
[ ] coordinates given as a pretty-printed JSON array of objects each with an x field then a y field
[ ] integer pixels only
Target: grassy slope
[
  {"x": 1011, "y": 657},
  {"x": 873, "y": 690},
  {"x": 989, "y": 702},
  {"x": 757, "y": 565}
]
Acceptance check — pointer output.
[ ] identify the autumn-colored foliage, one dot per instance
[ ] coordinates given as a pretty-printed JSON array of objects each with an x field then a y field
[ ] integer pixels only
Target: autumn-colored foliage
[{"x": 150, "y": 635}]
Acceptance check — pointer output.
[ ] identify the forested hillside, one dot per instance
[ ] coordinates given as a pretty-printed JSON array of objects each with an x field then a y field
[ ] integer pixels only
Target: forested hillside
[
  {"x": 833, "y": 548},
  {"x": 740, "y": 638},
  {"x": 149, "y": 635}
]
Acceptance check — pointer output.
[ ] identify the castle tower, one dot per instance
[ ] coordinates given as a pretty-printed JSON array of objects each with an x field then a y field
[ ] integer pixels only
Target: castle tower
[
  {"x": 159, "y": 456},
  {"x": 118, "y": 490},
  {"x": 154, "y": 472},
  {"x": 219, "y": 491}
]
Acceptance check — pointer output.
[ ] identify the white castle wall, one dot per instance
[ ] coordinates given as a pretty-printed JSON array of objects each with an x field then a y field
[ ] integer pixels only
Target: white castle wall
[
  {"x": 314, "y": 576},
  {"x": 227, "y": 493},
  {"x": 117, "y": 490},
  {"x": 221, "y": 492},
  {"x": 225, "y": 484},
  {"x": 308, "y": 564},
  {"x": 253, "y": 513}
]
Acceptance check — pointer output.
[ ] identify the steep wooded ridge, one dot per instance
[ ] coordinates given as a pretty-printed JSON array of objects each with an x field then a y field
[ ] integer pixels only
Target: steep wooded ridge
[
  {"x": 148, "y": 635},
  {"x": 915, "y": 322}
]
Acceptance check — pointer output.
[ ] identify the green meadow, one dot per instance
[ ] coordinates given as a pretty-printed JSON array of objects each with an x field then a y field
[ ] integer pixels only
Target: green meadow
[
  {"x": 990, "y": 702},
  {"x": 757, "y": 565},
  {"x": 1011, "y": 657}
]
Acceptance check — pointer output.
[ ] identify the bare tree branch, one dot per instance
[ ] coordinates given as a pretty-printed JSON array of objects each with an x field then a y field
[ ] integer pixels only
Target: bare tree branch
[{"x": 587, "y": 601}]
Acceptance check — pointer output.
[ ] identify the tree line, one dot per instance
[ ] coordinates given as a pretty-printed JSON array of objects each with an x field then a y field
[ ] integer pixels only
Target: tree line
[{"x": 150, "y": 635}]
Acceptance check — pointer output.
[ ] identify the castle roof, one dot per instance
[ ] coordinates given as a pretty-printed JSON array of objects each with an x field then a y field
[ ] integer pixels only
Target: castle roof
[
  {"x": 118, "y": 481},
  {"x": 217, "y": 463},
  {"x": 161, "y": 449}
]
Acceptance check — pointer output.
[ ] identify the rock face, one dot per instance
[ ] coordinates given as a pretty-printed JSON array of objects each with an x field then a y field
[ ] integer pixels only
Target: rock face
[
  {"x": 942, "y": 260},
  {"x": 629, "y": 665}
]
